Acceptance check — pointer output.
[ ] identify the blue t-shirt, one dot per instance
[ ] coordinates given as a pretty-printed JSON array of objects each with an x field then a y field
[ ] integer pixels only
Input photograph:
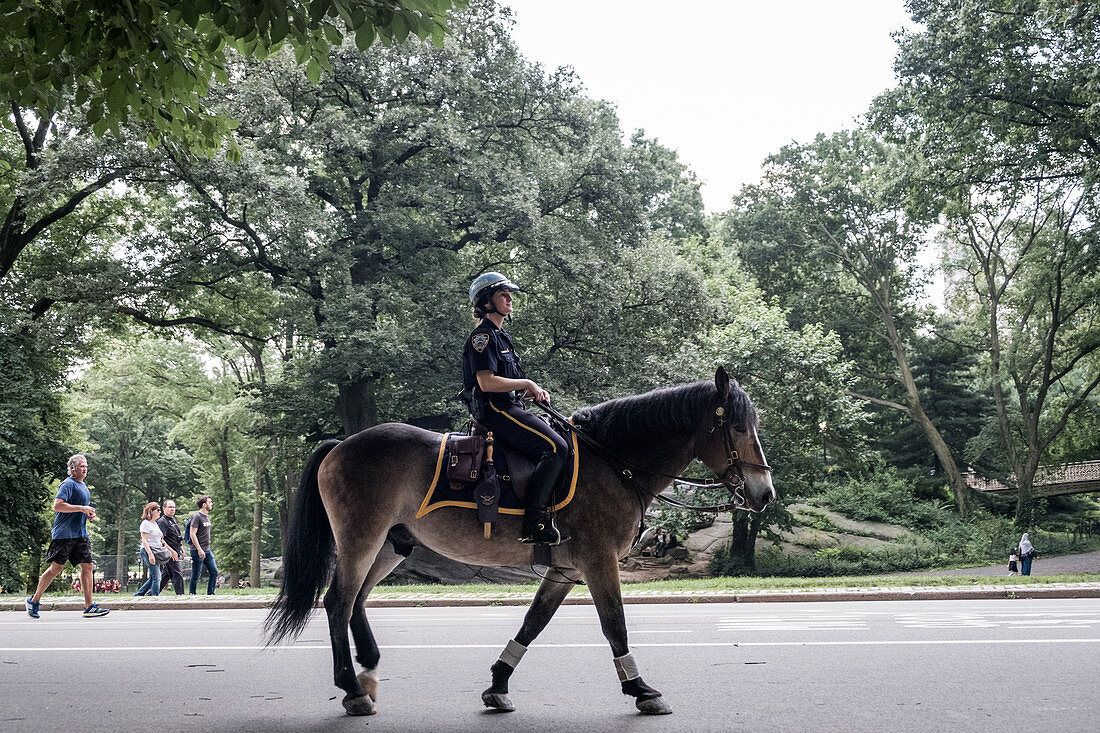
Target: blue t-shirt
[{"x": 67, "y": 525}]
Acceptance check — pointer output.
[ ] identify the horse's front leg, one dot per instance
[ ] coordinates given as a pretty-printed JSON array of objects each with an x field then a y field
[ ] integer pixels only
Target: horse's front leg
[
  {"x": 548, "y": 598},
  {"x": 603, "y": 582}
]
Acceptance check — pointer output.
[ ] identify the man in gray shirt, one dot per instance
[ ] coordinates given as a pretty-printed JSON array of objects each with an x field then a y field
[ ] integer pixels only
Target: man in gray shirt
[{"x": 202, "y": 556}]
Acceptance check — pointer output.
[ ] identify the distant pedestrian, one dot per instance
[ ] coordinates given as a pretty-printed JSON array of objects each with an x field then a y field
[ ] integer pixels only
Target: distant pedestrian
[
  {"x": 1027, "y": 554},
  {"x": 665, "y": 542},
  {"x": 154, "y": 553},
  {"x": 202, "y": 556},
  {"x": 69, "y": 540},
  {"x": 1012, "y": 558},
  {"x": 173, "y": 538}
]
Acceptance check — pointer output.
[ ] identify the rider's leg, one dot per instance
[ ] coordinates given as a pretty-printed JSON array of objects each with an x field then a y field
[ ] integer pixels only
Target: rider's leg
[{"x": 523, "y": 431}]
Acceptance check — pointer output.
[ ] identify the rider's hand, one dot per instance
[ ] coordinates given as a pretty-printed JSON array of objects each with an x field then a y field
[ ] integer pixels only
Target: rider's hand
[{"x": 537, "y": 393}]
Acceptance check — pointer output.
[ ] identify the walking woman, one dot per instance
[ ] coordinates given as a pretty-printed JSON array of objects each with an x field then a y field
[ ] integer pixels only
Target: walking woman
[
  {"x": 492, "y": 374},
  {"x": 153, "y": 551}
]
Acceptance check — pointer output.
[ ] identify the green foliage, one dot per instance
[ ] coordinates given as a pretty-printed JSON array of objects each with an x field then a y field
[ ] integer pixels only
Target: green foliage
[
  {"x": 996, "y": 91},
  {"x": 153, "y": 61},
  {"x": 33, "y": 430},
  {"x": 881, "y": 494}
]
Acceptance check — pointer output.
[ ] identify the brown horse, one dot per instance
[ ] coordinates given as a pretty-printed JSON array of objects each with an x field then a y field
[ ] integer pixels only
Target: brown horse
[{"x": 358, "y": 495}]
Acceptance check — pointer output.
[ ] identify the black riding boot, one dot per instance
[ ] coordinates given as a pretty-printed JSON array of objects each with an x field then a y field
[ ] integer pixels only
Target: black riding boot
[
  {"x": 539, "y": 529},
  {"x": 538, "y": 521}
]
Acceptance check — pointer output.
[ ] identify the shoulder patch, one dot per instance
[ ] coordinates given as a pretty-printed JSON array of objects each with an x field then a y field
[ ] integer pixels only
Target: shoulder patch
[{"x": 479, "y": 341}]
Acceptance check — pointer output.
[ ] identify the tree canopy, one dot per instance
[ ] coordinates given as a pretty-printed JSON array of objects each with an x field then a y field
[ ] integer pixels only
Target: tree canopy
[{"x": 153, "y": 61}]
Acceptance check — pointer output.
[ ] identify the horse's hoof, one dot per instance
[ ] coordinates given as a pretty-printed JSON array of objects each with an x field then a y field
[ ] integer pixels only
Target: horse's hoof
[
  {"x": 361, "y": 705},
  {"x": 654, "y": 706},
  {"x": 497, "y": 701},
  {"x": 368, "y": 680}
]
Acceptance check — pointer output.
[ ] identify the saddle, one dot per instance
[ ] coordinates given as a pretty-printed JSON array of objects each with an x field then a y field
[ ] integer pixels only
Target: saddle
[{"x": 467, "y": 477}]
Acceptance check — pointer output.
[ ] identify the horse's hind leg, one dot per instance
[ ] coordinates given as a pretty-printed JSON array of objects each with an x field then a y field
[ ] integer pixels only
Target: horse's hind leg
[
  {"x": 366, "y": 648},
  {"x": 603, "y": 582},
  {"x": 347, "y": 582},
  {"x": 547, "y": 600}
]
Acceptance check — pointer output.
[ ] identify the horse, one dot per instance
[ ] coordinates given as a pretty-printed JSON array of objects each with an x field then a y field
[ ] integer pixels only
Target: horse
[{"x": 357, "y": 503}]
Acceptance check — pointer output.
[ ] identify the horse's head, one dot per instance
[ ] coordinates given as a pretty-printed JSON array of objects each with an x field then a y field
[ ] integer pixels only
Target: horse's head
[{"x": 732, "y": 449}]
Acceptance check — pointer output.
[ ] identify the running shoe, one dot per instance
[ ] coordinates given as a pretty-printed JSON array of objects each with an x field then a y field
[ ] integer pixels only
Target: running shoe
[
  {"x": 94, "y": 611},
  {"x": 32, "y": 607}
]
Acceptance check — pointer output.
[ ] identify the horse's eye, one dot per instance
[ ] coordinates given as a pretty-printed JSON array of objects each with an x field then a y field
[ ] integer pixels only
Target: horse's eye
[{"x": 740, "y": 427}]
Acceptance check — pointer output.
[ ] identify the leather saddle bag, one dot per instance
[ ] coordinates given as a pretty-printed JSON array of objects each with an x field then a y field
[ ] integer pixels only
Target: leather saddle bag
[{"x": 464, "y": 455}]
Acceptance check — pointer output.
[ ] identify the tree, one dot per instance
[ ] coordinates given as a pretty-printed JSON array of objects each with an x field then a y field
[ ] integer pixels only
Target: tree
[
  {"x": 153, "y": 61},
  {"x": 796, "y": 379},
  {"x": 368, "y": 202},
  {"x": 33, "y": 432},
  {"x": 994, "y": 92},
  {"x": 1001, "y": 104},
  {"x": 834, "y": 210},
  {"x": 128, "y": 417},
  {"x": 1029, "y": 285}
]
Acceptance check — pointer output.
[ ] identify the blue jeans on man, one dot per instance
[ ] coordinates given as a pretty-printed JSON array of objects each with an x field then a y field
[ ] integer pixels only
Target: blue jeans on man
[{"x": 197, "y": 564}]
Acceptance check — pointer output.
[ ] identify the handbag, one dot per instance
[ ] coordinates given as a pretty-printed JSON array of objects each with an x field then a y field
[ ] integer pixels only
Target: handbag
[{"x": 162, "y": 554}]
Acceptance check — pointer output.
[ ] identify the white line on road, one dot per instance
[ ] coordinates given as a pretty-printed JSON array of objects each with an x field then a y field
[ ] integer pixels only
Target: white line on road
[{"x": 443, "y": 647}]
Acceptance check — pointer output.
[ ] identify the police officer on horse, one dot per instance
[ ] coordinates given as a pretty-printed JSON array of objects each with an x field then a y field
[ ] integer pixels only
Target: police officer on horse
[{"x": 492, "y": 374}]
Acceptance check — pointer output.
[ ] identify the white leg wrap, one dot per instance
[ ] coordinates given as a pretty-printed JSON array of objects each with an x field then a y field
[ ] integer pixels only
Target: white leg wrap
[
  {"x": 513, "y": 653},
  {"x": 626, "y": 667}
]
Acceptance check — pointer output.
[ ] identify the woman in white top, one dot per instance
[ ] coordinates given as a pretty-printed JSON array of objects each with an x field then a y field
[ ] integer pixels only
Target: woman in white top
[{"x": 152, "y": 544}]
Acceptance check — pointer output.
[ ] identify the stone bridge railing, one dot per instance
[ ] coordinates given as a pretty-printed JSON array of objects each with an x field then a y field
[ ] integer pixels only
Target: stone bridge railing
[{"x": 1086, "y": 472}]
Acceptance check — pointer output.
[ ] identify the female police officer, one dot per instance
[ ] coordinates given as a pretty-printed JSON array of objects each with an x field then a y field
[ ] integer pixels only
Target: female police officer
[{"x": 493, "y": 374}]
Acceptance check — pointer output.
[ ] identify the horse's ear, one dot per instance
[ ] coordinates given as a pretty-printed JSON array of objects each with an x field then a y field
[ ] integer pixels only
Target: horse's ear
[{"x": 722, "y": 383}]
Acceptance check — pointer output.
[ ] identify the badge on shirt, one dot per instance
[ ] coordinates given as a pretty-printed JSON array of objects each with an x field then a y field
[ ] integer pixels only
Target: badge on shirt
[{"x": 479, "y": 341}]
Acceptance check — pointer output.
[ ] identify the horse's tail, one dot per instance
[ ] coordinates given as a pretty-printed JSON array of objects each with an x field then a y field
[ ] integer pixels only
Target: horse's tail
[{"x": 307, "y": 561}]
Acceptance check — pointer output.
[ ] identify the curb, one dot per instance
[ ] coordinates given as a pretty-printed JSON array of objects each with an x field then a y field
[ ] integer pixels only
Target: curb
[{"x": 458, "y": 599}]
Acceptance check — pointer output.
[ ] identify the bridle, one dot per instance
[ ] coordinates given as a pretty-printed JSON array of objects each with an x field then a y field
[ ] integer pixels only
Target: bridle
[{"x": 733, "y": 478}]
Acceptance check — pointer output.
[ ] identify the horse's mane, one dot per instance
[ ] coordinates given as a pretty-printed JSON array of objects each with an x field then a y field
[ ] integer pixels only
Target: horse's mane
[{"x": 622, "y": 423}]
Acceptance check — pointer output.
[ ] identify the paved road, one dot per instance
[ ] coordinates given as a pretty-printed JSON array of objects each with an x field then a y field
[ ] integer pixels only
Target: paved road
[
  {"x": 1086, "y": 562},
  {"x": 854, "y": 666}
]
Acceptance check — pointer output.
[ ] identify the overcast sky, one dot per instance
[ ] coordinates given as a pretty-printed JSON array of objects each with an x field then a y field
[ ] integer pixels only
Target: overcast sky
[{"x": 725, "y": 83}]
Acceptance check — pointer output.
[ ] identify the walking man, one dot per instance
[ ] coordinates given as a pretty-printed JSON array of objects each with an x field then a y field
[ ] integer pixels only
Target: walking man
[
  {"x": 202, "y": 556},
  {"x": 69, "y": 540},
  {"x": 173, "y": 538}
]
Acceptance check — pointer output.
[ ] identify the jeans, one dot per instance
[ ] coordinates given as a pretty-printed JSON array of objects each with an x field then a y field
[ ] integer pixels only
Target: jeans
[
  {"x": 152, "y": 585},
  {"x": 197, "y": 564}
]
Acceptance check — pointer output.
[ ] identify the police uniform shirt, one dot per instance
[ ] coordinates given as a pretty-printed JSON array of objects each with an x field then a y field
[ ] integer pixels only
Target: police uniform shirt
[{"x": 490, "y": 348}]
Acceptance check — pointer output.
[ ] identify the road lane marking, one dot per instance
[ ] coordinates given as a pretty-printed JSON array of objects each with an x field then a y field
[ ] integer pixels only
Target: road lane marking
[{"x": 444, "y": 647}]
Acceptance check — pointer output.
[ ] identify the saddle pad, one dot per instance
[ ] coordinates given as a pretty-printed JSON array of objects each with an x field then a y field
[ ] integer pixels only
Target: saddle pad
[{"x": 440, "y": 493}]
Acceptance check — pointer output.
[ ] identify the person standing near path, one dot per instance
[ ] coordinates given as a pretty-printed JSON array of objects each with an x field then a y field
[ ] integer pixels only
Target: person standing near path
[
  {"x": 69, "y": 540},
  {"x": 1027, "y": 554},
  {"x": 202, "y": 556},
  {"x": 173, "y": 538}
]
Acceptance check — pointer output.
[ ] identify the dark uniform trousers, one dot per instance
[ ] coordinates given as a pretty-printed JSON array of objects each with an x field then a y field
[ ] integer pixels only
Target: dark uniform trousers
[{"x": 519, "y": 429}]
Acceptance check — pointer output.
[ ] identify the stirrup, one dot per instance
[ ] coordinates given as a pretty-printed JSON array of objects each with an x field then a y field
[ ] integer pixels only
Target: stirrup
[{"x": 541, "y": 531}]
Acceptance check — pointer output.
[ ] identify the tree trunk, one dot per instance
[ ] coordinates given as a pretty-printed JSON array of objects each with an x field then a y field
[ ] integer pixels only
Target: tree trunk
[
  {"x": 257, "y": 521},
  {"x": 357, "y": 405},
  {"x": 916, "y": 412},
  {"x": 290, "y": 483},
  {"x": 230, "y": 512},
  {"x": 743, "y": 542},
  {"x": 120, "y": 541}
]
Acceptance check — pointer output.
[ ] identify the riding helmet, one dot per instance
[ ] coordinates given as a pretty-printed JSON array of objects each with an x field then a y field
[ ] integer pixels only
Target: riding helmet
[{"x": 485, "y": 285}]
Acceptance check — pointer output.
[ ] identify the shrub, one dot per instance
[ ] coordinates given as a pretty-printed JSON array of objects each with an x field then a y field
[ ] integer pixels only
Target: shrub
[{"x": 883, "y": 495}]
